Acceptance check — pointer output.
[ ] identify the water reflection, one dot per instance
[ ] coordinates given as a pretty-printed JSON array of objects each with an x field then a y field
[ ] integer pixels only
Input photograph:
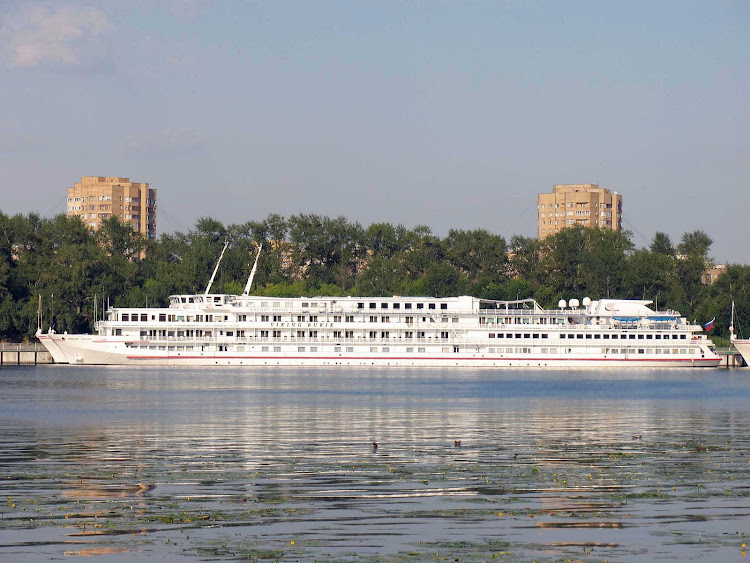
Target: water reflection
[{"x": 241, "y": 463}]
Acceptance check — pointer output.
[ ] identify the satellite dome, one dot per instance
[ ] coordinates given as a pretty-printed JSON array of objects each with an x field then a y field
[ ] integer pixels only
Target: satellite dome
[
  {"x": 586, "y": 301},
  {"x": 574, "y": 303},
  {"x": 561, "y": 304}
]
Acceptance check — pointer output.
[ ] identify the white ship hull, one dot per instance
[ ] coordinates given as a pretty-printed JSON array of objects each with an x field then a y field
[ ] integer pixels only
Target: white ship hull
[{"x": 93, "y": 350}]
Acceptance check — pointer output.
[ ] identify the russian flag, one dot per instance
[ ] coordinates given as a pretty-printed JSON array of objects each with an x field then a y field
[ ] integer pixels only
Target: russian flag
[{"x": 709, "y": 325}]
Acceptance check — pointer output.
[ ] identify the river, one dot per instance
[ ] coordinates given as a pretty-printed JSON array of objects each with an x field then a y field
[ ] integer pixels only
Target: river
[{"x": 366, "y": 464}]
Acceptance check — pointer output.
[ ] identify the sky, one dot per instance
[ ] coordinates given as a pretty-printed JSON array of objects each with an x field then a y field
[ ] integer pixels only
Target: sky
[{"x": 447, "y": 114}]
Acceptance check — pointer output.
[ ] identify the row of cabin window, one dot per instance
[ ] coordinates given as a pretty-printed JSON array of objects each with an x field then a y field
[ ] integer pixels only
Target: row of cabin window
[
  {"x": 398, "y": 305},
  {"x": 625, "y": 336},
  {"x": 581, "y": 336}
]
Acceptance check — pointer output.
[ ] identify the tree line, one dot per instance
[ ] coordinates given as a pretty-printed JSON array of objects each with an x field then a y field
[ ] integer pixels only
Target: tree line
[{"x": 77, "y": 272}]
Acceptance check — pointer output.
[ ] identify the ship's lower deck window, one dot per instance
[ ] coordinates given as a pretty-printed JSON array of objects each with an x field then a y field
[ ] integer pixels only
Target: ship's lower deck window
[{"x": 420, "y": 350}]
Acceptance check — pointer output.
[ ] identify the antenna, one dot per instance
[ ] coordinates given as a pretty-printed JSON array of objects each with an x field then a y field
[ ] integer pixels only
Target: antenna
[
  {"x": 252, "y": 272},
  {"x": 39, "y": 315},
  {"x": 216, "y": 269}
]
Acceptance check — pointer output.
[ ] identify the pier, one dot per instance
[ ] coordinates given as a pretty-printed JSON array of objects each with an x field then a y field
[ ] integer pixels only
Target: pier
[
  {"x": 731, "y": 358},
  {"x": 23, "y": 355}
]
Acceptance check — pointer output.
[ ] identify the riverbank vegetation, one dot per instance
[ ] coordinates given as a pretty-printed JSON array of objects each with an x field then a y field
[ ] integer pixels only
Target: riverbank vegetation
[{"x": 75, "y": 270}]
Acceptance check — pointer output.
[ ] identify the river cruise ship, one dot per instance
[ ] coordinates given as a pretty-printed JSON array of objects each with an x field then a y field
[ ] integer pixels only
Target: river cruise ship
[{"x": 220, "y": 330}]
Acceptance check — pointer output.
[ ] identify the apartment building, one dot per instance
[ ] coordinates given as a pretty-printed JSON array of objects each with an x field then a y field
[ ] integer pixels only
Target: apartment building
[
  {"x": 96, "y": 198},
  {"x": 578, "y": 204}
]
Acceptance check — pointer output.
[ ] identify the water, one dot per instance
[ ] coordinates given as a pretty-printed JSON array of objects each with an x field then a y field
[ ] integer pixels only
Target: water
[{"x": 279, "y": 464}]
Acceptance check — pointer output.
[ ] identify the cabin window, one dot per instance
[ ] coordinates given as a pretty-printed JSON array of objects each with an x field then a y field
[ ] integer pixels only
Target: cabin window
[
  {"x": 313, "y": 333},
  {"x": 444, "y": 334},
  {"x": 264, "y": 334},
  {"x": 264, "y": 318},
  {"x": 349, "y": 318},
  {"x": 373, "y": 334},
  {"x": 300, "y": 334},
  {"x": 431, "y": 306},
  {"x": 385, "y": 319},
  {"x": 277, "y": 318},
  {"x": 588, "y": 337},
  {"x": 385, "y": 334},
  {"x": 350, "y": 348},
  {"x": 118, "y": 332},
  {"x": 407, "y": 305},
  {"x": 360, "y": 305},
  {"x": 397, "y": 305},
  {"x": 126, "y": 316},
  {"x": 420, "y": 350},
  {"x": 443, "y": 305},
  {"x": 373, "y": 319},
  {"x": 373, "y": 348},
  {"x": 300, "y": 348},
  {"x": 420, "y": 305},
  {"x": 349, "y": 334},
  {"x": 313, "y": 348},
  {"x": 313, "y": 318},
  {"x": 277, "y": 348},
  {"x": 384, "y": 305},
  {"x": 492, "y": 335},
  {"x": 277, "y": 334},
  {"x": 373, "y": 305}
]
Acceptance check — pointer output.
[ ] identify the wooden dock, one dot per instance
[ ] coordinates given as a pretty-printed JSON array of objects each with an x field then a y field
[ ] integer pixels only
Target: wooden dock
[{"x": 23, "y": 355}]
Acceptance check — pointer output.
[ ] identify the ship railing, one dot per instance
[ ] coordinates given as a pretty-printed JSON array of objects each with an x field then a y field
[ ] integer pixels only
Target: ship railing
[{"x": 247, "y": 340}]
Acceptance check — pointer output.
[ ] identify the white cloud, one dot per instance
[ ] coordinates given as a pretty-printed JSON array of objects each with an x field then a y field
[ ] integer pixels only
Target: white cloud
[{"x": 54, "y": 36}]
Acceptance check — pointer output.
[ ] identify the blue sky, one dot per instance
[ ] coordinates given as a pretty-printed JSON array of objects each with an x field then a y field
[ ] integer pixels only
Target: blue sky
[{"x": 450, "y": 114}]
